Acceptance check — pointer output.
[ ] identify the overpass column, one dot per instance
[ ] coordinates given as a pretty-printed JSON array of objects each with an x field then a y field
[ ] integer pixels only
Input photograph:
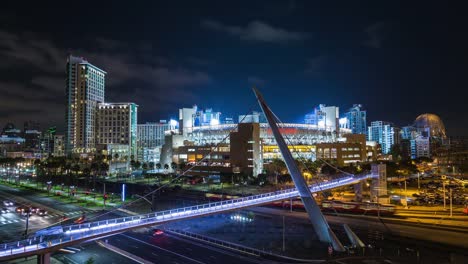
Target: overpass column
[
  {"x": 43, "y": 258},
  {"x": 358, "y": 192}
]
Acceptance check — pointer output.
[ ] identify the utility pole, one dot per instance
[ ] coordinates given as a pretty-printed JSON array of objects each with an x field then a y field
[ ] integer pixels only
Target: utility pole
[
  {"x": 443, "y": 186},
  {"x": 418, "y": 183},
  {"x": 406, "y": 197},
  {"x": 284, "y": 246},
  {"x": 28, "y": 211},
  {"x": 450, "y": 202}
]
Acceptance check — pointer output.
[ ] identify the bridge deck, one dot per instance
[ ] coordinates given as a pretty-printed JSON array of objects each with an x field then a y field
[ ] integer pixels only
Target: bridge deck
[{"x": 73, "y": 234}]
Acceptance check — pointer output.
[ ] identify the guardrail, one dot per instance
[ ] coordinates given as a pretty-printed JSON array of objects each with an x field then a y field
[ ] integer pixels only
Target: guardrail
[{"x": 104, "y": 227}]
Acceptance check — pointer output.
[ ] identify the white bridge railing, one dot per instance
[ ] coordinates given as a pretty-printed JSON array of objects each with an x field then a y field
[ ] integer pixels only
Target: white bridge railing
[{"x": 105, "y": 227}]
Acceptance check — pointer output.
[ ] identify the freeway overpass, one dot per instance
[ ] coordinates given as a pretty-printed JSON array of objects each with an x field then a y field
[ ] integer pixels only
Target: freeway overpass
[{"x": 75, "y": 234}]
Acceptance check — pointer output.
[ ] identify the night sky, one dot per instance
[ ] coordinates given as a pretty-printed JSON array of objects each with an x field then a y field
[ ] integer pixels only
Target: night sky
[{"x": 399, "y": 60}]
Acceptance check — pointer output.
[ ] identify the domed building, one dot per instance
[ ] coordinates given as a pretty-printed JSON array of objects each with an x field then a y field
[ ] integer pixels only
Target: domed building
[{"x": 433, "y": 122}]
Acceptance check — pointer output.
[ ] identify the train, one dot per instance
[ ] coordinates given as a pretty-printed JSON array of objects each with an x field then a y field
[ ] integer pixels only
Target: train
[{"x": 366, "y": 208}]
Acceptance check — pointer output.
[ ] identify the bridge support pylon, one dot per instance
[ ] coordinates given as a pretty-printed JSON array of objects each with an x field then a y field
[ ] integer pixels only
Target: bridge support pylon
[
  {"x": 320, "y": 224},
  {"x": 43, "y": 258}
]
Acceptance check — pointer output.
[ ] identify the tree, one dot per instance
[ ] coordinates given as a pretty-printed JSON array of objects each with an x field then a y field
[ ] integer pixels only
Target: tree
[
  {"x": 166, "y": 166},
  {"x": 395, "y": 151},
  {"x": 116, "y": 157},
  {"x": 158, "y": 166},
  {"x": 151, "y": 165},
  {"x": 173, "y": 165},
  {"x": 144, "y": 166}
]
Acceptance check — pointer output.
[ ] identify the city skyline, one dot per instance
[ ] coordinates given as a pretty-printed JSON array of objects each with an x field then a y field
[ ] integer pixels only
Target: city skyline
[{"x": 211, "y": 54}]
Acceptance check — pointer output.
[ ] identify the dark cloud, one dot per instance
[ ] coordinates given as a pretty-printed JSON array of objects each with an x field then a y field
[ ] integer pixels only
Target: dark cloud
[
  {"x": 314, "y": 66},
  {"x": 375, "y": 34},
  {"x": 40, "y": 94},
  {"x": 253, "y": 80},
  {"x": 256, "y": 31}
]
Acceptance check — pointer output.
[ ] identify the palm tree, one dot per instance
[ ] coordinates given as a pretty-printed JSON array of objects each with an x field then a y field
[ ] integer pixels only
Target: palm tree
[
  {"x": 173, "y": 166},
  {"x": 151, "y": 165}
]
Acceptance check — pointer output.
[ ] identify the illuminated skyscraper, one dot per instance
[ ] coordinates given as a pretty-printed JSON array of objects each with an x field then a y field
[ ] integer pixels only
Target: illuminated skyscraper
[
  {"x": 84, "y": 90},
  {"x": 355, "y": 119},
  {"x": 385, "y": 134}
]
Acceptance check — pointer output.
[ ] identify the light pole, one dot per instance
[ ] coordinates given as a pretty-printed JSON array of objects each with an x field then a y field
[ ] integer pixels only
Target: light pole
[
  {"x": 406, "y": 197},
  {"x": 450, "y": 202},
  {"x": 418, "y": 183},
  {"x": 284, "y": 245},
  {"x": 443, "y": 186}
]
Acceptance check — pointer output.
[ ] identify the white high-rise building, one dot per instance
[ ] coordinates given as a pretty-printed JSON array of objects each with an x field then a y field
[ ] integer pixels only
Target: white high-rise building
[
  {"x": 324, "y": 117},
  {"x": 385, "y": 134},
  {"x": 84, "y": 90}
]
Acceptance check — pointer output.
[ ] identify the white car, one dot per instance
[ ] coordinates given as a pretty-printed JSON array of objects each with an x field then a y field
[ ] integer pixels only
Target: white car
[{"x": 7, "y": 203}]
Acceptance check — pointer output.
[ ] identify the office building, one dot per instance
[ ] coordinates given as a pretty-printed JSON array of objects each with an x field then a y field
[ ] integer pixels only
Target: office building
[
  {"x": 385, "y": 134},
  {"x": 151, "y": 138},
  {"x": 324, "y": 117},
  {"x": 84, "y": 91},
  {"x": 117, "y": 124},
  {"x": 59, "y": 146},
  {"x": 355, "y": 119},
  {"x": 32, "y": 136}
]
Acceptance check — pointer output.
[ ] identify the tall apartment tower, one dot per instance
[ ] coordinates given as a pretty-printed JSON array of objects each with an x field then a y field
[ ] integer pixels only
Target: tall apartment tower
[
  {"x": 355, "y": 119},
  {"x": 385, "y": 133},
  {"x": 84, "y": 90},
  {"x": 117, "y": 125}
]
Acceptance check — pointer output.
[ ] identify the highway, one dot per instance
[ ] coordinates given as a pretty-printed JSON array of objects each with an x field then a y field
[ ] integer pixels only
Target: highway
[
  {"x": 171, "y": 249},
  {"x": 12, "y": 225}
]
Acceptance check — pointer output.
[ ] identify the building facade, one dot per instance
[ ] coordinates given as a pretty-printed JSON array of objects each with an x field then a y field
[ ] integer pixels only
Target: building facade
[
  {"x": 385, "y": 134},
  {"x": 117, "y": 124},
  {"x": 150, "y": 139},
  {"x": 355, "y": 119},
  {"x": 84, "y": 91},
  {"x": 325, "y": 117}
]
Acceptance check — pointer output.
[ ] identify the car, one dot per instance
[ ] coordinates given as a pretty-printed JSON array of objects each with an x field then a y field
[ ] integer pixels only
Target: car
[
  {"x": 8, "y": 203},
  {"x": 41, "y": 212},
  {"x": 80, "y": 220},
  {"x": 157, "y": 232},
  {"x": 20, "y": 209},
  {"x": 34, "y": 209},
  {"x": 4, "y": 210},
  {"x": 26, "y": 213}
]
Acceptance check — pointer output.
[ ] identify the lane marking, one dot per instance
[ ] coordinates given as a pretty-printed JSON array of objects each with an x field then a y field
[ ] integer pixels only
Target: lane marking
[{"x": 163, "y": 249}]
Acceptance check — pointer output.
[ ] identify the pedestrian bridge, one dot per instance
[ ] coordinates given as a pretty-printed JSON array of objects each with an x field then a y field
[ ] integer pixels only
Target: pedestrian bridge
[{"x": 73, "y": 234}]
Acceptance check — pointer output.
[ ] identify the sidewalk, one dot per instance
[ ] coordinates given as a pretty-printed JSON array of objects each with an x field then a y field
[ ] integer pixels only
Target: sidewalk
[{"x": 87, "y": 201}]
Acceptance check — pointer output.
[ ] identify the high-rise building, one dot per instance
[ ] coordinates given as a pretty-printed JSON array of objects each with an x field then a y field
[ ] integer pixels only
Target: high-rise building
[
  {"x": 385, "y": 134},
  {"x": 47, "y": 142},
  {"x": 355, "y": 119},
  {"x": 187, "y": 119},
  {"x": 151, "y": 134},
  {"x": 246, "y": 149},
  {"x": 84, "y": 90},
  {"x": 32, "y": 136},
  {"x": 117, "y": 124},
  {"x": 325, "y": 117},
  {"x": 151, "y": 138},
  {"x": 59, "y": 145},
  {"x": 207, "y": 118}
]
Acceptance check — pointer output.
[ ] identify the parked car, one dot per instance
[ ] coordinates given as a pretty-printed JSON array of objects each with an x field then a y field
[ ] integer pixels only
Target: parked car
[
  {"x": 41, "y": 212},
  {"x": 8, "y": 203}
]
